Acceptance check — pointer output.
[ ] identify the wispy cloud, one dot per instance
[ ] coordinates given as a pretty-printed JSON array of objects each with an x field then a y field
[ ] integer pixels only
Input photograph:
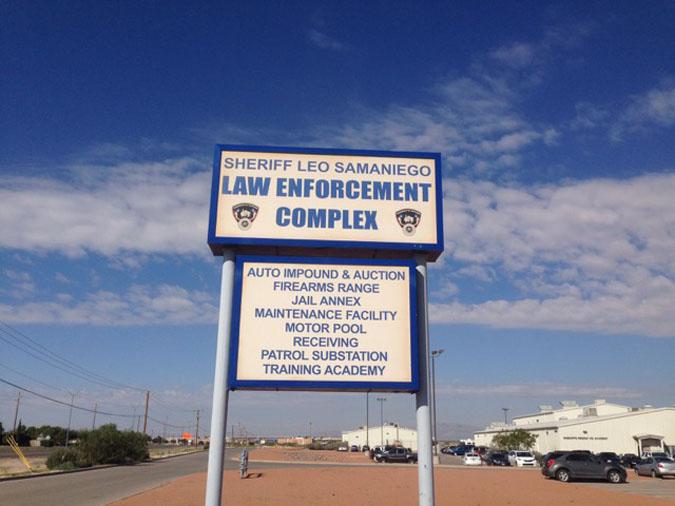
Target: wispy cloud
[
  {"x": 475, "y": 119},
  {"x": 653, "y": 109},
  {"x": 323, "y": 41},
  {"x": 140, "y": 305}
]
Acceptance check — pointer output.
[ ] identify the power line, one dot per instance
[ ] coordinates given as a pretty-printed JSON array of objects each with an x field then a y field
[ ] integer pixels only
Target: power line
[
  {"x": 62, "y": 361},
  {"x": 187, "y": 425},
  {"x": 31, "y": 378},
  {"x": 36, "y": 350},
  {"x": 155, "y": 396},
  {"x": 63, "y": 403},
  {"x": 54, "y": 365}
]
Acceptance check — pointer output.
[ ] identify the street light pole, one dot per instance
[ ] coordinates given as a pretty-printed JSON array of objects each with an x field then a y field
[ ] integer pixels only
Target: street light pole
[
  {"x": 434, "y": 437},
  {"x": 367, "y": 420},
  {"x": 70, "y": 415},
  {"x": 381, "y": 400}
]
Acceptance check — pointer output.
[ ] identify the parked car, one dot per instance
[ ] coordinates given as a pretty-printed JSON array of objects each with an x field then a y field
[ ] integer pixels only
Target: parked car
[
  {"x": 447, "y": 449},
  {"x": 472, "y": 459},
  {"x": 365, "y": 448},
  {"x": 609, "y": 457},
  {"x": 461, "y": 449},
  {"x": 575, "y": 465},
  {"x": 342, "y": 448},
  {"x": 353, "y": 448},
  {"x": 550, "y": 455},
  {"x": 521, "y": 458},
  {"x": 656, "y": 466},
  {"x": 646, "y": 455},
  {"x": 629, "y": 460},
  {"x": 397, "y": 454},
  {"x": 376, "y": 451},
  {"x": 481, "y": 450},
  {"x": 496, "y": 458}
]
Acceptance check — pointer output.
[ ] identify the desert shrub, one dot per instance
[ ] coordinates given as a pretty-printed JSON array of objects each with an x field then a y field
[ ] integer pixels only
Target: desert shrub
[
  {"x": 66, "y": 459},
  {"x": 108, "y": 445}
]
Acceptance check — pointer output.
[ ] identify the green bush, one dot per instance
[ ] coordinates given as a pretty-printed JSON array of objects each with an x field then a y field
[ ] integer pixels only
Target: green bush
[
  {"x": 108, "y": 445},
  {"x": 66, "y": 459}
]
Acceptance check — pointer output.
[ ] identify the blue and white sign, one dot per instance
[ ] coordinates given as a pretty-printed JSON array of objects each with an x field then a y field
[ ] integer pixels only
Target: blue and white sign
[
  {"x": 307, "y": 198},
  {"x": 323, "y": 324}
]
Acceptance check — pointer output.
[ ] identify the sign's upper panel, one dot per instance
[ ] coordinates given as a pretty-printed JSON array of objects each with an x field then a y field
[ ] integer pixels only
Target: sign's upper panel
[{"x": 312, "y": 198}]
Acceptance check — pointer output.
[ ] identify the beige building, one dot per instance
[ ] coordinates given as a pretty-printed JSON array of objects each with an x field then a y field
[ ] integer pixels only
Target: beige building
[
  {"x": 601, "y": 426},
  {"x": 388, "y": 434}
]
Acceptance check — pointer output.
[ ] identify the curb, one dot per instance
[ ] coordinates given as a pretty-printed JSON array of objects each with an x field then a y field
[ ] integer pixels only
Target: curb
[{"x": 84, "y": 469}]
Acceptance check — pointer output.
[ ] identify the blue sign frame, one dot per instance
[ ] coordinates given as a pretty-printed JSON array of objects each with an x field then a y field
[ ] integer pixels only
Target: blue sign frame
[
  {"x": 342, "y": 386},
  {"x": 299, "y": 246}
]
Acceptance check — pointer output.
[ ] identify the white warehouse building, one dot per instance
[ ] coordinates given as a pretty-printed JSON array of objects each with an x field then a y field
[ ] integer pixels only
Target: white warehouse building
[
  {"x": 388, "y": 434},
  {"x": 598, "y": 427}
]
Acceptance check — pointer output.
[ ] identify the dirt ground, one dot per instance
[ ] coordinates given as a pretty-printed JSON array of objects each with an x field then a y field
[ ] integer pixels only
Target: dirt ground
[
  {"x": 381, "y": 485},
  {"x": 9, "y": 466}
]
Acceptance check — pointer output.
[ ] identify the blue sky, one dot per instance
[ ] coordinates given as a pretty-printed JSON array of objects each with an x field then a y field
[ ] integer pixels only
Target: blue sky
[{"x": 555, "y": 123}]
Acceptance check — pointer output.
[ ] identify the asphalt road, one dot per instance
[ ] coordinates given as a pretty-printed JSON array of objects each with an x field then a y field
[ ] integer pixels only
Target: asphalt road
[
  {"x": 28, "y": 451},
  {"x": 102, "y": 486}
]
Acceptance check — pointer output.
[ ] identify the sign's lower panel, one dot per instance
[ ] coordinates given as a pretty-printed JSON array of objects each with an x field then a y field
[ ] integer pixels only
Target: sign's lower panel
[{"x": 330, "y": 324}]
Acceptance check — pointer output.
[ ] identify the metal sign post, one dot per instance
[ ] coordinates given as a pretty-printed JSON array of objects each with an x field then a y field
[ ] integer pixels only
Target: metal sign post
[
  {"x": 425, "y": 468},
  {"x": 214, "y": 475}
]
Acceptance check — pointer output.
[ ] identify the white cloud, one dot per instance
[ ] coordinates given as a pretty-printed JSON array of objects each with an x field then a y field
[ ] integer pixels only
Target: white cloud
[
  {"x": 130, "y": 207},
  {"x": 592, "y": 255},
  {"x": 653, "y": 109},
  {"x": 140, "y": 305}
]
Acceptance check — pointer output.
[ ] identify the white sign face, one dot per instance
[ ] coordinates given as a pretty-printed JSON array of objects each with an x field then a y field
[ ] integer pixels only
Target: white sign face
[
  {"x": 325, "y": 325},
  {"x": 323, "y": 197}
]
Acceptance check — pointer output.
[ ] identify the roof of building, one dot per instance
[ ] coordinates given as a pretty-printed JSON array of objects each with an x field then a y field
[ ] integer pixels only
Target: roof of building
[
  {"x": 568, "y": 406},
  {"x": 554, "y": 424}
]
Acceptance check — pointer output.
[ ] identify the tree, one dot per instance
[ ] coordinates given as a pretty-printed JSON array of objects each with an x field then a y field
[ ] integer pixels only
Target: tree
[
  {"x": 20, "y": 436},
  {"x": 2, "y": 433},
  {"x": 517, "y": 439}
]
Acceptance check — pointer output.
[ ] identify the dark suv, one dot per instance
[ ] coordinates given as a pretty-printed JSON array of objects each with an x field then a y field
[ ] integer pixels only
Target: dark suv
[
  {"x": 577, "y": 465},
  {"x": 497, "y": 459},
  {"x": 396, "y": 454}
]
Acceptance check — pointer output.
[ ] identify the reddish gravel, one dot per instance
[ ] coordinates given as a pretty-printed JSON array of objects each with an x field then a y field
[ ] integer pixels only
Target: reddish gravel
[{"x": 378, "y": 485}]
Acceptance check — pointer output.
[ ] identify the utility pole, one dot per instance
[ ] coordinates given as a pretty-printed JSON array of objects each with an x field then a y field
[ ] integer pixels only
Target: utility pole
[
  {"x": 197, "y": 430},
  {"x": 70, "y": 416},
  {"x": 93, "y": 423},
  {"x": 381, "y": 401},
  {"x": 505, "y": 410},
  {"x": 16, "y": 412},
  {"x": 367, "y": 420},
  {"x": 434, "y": 436},
  {"x": 145, "y": 420},
  {"x": 138, "y": 423},
  {"x": 165, "y": 423}
]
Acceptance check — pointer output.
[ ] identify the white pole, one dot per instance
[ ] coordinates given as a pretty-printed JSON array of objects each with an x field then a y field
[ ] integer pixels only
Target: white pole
[
  {"x": 214, "y": 474},
  {"x": 70, "y": 416},
  {"x": 425, "y": 466}
]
